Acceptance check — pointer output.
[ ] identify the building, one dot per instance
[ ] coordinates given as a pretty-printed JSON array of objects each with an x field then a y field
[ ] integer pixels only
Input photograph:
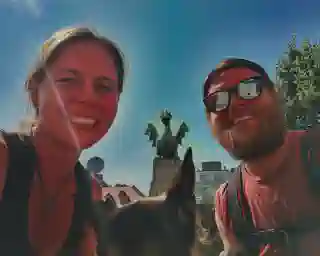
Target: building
[
  {"x": 122, "y": 194},
  {"x": 211, "y": 175},
  {"x": 213, "y": 171},
  {"x": 164, "y": 171},
  {"x": 209, "y": 178}
]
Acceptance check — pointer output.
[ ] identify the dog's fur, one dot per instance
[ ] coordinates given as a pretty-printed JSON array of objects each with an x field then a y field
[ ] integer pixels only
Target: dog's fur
[{"x": 160, "y": 226}]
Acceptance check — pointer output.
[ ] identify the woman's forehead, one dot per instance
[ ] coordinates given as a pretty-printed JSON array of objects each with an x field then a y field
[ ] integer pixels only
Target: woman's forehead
[{"x": 87, "y": 55}]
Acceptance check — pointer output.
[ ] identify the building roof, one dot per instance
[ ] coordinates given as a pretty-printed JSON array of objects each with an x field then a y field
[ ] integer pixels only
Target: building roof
[
  {"x": 137, "y": 191},
  {"x": 132, "y": 191},
  {"x": 212, "y": 166}
]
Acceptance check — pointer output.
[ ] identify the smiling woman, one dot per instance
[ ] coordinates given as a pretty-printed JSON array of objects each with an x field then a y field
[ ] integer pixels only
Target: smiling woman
[
  {"x": 74, "y": 89},
  {"x": 71, "y": 60}
]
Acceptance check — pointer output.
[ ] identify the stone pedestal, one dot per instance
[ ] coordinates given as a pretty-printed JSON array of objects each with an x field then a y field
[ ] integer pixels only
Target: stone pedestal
[{"x": 163, "y": 173}]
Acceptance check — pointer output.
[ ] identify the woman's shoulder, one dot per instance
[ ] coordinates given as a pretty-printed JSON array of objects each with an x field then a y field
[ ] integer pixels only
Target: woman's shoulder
[{"x": 17, "y": 152}]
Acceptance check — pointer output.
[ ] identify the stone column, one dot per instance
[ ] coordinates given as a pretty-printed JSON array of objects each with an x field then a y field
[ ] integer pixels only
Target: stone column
[{"x": 163, "y": 172}]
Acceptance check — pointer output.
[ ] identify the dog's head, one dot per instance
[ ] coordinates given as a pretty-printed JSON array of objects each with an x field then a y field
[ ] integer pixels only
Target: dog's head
[{"x": 160, "y": 226}]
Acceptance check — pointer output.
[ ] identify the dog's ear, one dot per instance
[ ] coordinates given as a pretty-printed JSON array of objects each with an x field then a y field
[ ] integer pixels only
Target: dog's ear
[
  {"x": 182, "y": 189},
  {"x": 180, "y": 200}
]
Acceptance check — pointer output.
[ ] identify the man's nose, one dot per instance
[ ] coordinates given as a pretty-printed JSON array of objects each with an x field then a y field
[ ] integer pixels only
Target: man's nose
[
  {"x": 236, "y": 100},
  {"x": 236, "y": 104}
]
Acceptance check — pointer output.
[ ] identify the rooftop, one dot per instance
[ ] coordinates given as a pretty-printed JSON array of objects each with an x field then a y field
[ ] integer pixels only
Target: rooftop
[{"x": 121, "y": 190}]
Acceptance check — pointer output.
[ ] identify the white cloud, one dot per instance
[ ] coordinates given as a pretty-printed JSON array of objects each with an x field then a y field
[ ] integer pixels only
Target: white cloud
[{"x": 31, "y": 6}]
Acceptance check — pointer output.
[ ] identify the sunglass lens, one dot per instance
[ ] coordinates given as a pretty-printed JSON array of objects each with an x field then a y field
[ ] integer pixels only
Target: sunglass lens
[
  {"x": 222, "y": 100},
  {"x": 249, "y": 90},
  {"x": 217, "y": 101}
]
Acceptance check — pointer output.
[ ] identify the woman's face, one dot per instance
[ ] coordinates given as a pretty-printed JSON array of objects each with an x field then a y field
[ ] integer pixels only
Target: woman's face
[{"x": 78, "y": 98}]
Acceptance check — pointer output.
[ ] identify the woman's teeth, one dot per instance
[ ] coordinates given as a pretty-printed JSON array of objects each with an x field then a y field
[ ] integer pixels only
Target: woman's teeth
[{"x": 83, "y": 120}]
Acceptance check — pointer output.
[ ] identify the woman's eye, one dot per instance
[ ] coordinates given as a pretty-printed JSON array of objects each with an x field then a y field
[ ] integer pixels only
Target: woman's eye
[
  {"x": 65, "y": 79},
  {"x": 105, "y": 87}
]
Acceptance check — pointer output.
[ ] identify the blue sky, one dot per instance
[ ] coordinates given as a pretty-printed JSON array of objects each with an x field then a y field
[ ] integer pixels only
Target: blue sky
[{"x": 170, "y": 46}]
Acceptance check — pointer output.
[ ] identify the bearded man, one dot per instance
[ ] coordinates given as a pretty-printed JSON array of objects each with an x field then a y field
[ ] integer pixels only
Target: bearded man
[{"x": 271, "y": 205}]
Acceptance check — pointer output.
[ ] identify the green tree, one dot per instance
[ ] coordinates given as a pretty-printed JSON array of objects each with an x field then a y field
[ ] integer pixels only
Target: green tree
[{"x": 298, "y": 75}]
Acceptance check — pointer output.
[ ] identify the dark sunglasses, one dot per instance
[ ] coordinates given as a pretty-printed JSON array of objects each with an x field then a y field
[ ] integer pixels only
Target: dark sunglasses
[{"x": 248, "y": 89}]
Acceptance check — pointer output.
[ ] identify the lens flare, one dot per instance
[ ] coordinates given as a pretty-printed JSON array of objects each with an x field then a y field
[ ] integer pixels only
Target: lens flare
[
  {"x": 66, "y": 118},
  {"x": 60, "y": 102}
]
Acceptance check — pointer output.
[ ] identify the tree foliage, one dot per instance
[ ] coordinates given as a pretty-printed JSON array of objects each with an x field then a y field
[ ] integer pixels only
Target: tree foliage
[{"x": 298, "y": 75}]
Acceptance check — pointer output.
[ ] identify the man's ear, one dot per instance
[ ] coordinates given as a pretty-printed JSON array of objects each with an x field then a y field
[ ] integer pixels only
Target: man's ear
[
  {"x": 211, "y": 119},
  {"x": 208, "y": 117},
  {"x": 182, "y": 188}
]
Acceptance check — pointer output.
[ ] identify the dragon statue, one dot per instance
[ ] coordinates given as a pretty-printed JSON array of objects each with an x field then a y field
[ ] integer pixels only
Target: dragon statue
[{"x": 167, "y": 145}]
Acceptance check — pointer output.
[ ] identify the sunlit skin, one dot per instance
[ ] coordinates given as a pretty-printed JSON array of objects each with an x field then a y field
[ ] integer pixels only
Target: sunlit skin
[
  {"x": 222, "y": 122},
  {"x": 244, "y": 138},
  {"x": 86, "y": 79},
  {"x": 81, "y": 82}
]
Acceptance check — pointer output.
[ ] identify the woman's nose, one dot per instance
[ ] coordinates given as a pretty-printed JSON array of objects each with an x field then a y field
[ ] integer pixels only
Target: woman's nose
[{"x": 87, "y": 92}]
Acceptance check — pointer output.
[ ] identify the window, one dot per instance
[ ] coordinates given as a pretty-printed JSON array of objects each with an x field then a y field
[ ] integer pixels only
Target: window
[{"x": 206, "y": 177}]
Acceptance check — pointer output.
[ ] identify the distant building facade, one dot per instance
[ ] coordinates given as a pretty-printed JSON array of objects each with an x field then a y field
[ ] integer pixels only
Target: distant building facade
[
  {"x": 211, "y": 175},
  {"x": 163, "y": 173},
  {"x": 122, "y": 194}
]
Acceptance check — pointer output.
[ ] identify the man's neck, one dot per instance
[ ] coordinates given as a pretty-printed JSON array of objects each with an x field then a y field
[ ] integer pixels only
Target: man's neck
[{"x": 267, "y": 165}]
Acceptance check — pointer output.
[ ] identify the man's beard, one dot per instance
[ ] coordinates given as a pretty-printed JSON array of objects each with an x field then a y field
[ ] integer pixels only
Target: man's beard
[{"x": 271, "y": 136}]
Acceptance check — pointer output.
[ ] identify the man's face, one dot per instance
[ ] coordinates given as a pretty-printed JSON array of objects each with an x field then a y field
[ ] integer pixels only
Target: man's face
[
  {"x": 246, "y": 128},
  {"x": 78, "y": 99}
]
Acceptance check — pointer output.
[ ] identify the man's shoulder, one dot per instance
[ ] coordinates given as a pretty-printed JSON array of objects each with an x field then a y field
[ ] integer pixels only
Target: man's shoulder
[
  {"x": 294, "y": 134},
  {"x": 304, "y": 137},
  {"x": 293, "y": 140}
]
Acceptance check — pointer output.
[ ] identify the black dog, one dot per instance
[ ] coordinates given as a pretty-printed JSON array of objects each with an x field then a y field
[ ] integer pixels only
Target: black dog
[{"x": 159, "y": 226}]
